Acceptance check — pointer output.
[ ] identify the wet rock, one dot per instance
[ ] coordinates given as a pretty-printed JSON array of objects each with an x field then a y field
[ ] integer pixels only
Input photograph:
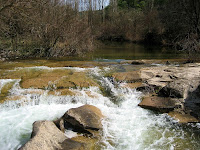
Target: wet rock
[
  {"x": 4, "y": 91},
  {"x": 49, "y": 79},
  {"x": 85, "y": 119},
  {"x": 183, "y": 118},
  {"x": 130, "y": 77},
  {"x": 80, "y": 143},
  {"x": 161, "y": 104},
  {"x": 45, "y": 136},
  {"x": 69, "y": 144}
]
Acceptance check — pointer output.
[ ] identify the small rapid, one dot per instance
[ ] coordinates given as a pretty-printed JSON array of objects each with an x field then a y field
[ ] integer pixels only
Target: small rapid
[{"x": 126, "y": 126}]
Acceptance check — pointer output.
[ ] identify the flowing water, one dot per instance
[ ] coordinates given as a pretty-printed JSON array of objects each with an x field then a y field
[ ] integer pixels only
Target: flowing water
[{"x": 126, "y": 126}]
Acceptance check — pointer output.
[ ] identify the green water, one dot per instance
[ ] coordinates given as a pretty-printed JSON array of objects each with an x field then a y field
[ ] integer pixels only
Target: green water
[
  {"x": 131, "y": 51},
  {"x": 112, "y": 51}
]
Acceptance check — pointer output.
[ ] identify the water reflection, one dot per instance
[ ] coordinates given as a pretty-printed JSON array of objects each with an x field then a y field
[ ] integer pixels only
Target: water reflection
[{"x": 131, "y": 51}]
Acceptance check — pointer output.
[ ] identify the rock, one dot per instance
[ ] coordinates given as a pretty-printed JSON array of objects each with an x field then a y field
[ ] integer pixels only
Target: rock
[
  {"x": 80, "y": 143},
  {"x": 179, "y": 88},
  {"x": 130, "y": 77},
  {"x": 167, "y": 62},
  {"x": 156, "y": 76},
  {"x": 158, "y": 103},
  {"x": 69, "y": 144},
  {"x": 174, "y": 89},
  {"x": 192, "y": 102},
  {"x": 183, "y": 118},
  {"x": 132, "y": 85},
  {"x": 85, "y": 119},
  {"x": 137, "y": 63},
  {"x": 48, "y": 79},
  {"x": 175, "y": 82},
  {"x": 45, "y": 136},
  {"x": 146, "y": 88}
]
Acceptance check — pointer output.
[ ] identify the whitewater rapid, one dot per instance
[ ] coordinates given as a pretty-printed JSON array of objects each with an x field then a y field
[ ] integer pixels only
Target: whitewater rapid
[{"x": 126, "y": 126}]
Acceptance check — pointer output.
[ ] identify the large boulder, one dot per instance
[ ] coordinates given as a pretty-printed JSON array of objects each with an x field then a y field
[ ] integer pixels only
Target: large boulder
[
  {"x": 84, "y": 119},
  {"x": 161, "y": 104},
  {"x": 45, "y": 136}
]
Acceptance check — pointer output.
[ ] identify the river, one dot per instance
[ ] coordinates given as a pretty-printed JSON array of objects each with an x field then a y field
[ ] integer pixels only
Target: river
[{"x": 126, "y": 126}]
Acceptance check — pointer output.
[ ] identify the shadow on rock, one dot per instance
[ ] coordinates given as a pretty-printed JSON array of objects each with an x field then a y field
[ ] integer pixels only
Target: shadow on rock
[{"x": 192, "y": 103}]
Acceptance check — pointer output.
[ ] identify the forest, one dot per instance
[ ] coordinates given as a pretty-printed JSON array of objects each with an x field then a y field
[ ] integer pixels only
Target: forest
[{"x": 58, "y": 28}]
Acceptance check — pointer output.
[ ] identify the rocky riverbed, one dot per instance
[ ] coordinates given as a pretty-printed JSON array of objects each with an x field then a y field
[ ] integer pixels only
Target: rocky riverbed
[
  {"x": 98, "y": 105},
  {"x": 167, "y": 88}
]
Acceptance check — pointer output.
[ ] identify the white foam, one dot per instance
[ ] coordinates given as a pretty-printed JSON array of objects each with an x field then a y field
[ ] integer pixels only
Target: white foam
[{"x": 6, "y": 81}]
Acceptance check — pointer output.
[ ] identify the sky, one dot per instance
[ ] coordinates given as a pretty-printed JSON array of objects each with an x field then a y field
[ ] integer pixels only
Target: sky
[{"x": 84, "y": 4}]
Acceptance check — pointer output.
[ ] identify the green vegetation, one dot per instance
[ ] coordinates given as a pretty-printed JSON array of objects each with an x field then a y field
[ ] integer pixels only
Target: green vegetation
[{"x": 57, "y": 28}]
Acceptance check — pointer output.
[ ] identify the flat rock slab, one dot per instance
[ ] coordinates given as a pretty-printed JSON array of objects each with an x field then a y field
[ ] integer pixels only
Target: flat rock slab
[{"x": 161, "y": 104}]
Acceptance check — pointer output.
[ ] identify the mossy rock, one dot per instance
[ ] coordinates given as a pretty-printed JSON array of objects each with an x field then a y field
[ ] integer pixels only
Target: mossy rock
[
  {"x": 78, "y": 79},
  {"x": 5, "y": 91},
  {"x": 57, "y": 78}
]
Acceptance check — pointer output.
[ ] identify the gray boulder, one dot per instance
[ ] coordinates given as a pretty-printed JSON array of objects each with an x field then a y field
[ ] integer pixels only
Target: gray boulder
[{"x": 45, "y": 136}]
